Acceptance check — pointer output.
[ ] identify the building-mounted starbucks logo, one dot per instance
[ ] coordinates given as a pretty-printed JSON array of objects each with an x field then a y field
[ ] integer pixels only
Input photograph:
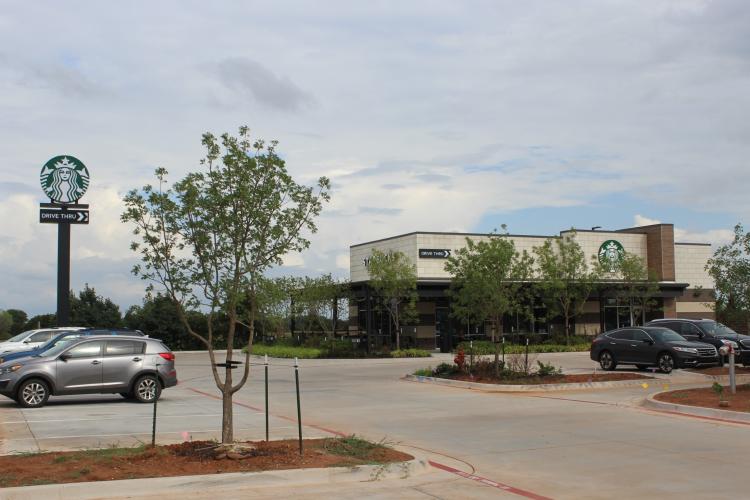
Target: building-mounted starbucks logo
[
  {"x": 611, "y": 253},
  {"x": 64, "y": 179}
]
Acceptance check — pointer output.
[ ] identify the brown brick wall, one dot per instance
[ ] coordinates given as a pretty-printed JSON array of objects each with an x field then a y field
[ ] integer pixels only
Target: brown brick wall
[
  {"x": 670, "y": 307},
  {"x": 659, "y": 249}
]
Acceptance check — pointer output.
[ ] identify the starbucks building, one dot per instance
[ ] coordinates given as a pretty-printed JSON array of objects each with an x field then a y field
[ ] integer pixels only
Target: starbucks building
[{"x": 684, "y": 287}]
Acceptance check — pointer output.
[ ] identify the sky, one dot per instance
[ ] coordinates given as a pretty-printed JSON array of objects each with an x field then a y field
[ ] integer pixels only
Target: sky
[{"x": 427, "y": 116}]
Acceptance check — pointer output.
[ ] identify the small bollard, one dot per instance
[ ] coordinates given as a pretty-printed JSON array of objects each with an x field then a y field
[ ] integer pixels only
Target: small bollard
[
  {"x": 153, "y": 424},
  {"x": 299, "y": 409},
  {"x": 526, "y": 362},
  {"x": 266, "y": 366},
  {"x": 732, "y": 380}
]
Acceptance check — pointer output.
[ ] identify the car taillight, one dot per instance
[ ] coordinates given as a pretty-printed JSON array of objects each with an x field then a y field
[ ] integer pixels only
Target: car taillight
[{"x": 167, "y": 355}]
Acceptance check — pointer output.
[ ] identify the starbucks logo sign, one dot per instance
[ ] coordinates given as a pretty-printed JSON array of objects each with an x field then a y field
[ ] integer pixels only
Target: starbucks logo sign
[
  {"x": 64, "y": 179},
  {"x": 611, "y": 253}
]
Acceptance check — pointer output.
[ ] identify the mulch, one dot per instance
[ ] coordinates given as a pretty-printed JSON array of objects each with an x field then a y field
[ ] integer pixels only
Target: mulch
[
  {"x": 707, "y": 398},
  {"x": 188, "y": 458},
  {"x": 552, "y": 379},
  {"x": 722, "y": 370}
]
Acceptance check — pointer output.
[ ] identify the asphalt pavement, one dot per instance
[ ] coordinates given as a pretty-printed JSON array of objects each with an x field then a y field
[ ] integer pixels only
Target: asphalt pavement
[{"x": 574, "y": 444}]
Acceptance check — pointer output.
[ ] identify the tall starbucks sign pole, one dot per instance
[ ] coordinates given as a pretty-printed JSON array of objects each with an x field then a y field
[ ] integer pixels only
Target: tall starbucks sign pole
[{"x": 64, "y": 180}]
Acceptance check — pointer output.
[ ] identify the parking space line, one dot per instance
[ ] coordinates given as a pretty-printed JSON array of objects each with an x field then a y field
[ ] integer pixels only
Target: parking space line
[
  {"x": 146, "y": 433},
  {"x": 111, "y": 418}
]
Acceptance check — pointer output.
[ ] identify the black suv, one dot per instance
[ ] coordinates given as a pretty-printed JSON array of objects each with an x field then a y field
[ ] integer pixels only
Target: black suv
[
  {"x": 645, "y": 346},
  {"x": 711, "y": 332}
]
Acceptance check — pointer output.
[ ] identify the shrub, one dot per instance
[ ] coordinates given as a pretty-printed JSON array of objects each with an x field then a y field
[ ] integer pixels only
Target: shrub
[
  {"x": 410, "y": 353},
  {"x": 460, "y": 360},
  {"x": 282, "y": 351},
  {"x": 424, "y": 372},
  {"x": 444, "y": 369},
  {"x": 547, "y": 369}
]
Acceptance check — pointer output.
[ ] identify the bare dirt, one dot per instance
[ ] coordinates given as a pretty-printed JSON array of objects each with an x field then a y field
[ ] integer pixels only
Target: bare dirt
[
  {"x": 551, "y": 379},
  {"x": 189, "y": 458},
  {"x": 707, "y": 398},
  {"x": 722, "y": 370}
]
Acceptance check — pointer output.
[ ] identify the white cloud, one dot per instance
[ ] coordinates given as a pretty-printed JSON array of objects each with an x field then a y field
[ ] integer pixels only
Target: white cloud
[
  {"x": 713, "y": 236},
  {"x": 426, "y": 115}
]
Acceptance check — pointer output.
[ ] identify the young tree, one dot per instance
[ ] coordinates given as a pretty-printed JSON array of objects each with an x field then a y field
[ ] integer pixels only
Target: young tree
[
  {"x": 157, "y": 316},
  {"x": 639, "y": 285},
  {"x": 488, "y": 279},
  {"x": 394, "y": 279},
  {"x": 207, "y": 240},
  {"x": 730, "y": 269},
  {"x": 273, "y": 303},
  {"x": 320, "y": 301},
  {"x": 90, "y": 309},
  {"x": 19, "y": 320},
  {"x": 6, "y": 323},
  {"x": 565, "y": 279},
  {"x": 40, "y": 321}
]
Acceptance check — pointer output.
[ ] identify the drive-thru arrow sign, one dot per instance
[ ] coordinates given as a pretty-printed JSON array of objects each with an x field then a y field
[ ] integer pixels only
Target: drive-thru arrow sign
[
  {"x": 434, "y": 253},
  {"x": 58, "y": 216}
]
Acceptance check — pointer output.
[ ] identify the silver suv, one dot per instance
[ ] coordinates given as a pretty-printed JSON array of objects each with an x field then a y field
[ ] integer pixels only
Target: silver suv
[{"x": 134, "y": 367}]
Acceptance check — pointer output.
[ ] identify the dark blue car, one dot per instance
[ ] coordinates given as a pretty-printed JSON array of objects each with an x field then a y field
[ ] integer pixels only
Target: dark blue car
[{"x": 67, "y": 336}]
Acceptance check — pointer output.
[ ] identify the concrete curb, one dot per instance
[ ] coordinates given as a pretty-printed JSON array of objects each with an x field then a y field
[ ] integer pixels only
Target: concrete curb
[
  {"x": 740, "y": 379},
  {"x": 528, "y": 388},
  {"x": 696, "y": 411},
  {"x": 217, "y": 484}
]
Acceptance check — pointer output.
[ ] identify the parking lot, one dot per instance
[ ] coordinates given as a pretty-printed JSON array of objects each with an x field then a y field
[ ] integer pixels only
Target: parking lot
[{"x": 573, "y": 444}]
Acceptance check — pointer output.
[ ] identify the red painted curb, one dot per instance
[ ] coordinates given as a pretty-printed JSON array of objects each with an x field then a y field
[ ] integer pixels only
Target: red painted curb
[
  {"x": 466, "y": 475},
  {"x": 489, "y": 482}
]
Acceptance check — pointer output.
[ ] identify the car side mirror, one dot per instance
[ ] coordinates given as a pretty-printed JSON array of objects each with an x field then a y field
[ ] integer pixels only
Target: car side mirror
[
  {"x": 64, "y": 356},
  {"x": 27, "y": 341},
  {"x": 648, "y": 341}
]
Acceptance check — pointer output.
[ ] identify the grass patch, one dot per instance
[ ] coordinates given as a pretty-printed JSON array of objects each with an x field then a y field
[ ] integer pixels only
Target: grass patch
[
  {"x": 486, "y": 347},
  {"x": 352, "y": 447},
  {"x": 410, "y": 353},
  {"x": 6, "y": 480},
  {"x": 283, "y": 351},
  {"x": 424, "y": 372}
]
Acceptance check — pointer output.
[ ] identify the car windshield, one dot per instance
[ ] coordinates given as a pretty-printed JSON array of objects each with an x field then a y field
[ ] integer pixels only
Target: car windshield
[
  {"x": 666, "y": 335},
  {"x": 20, "y": 336},
  {"x": 60, "y": 346},
  {"x": 715, "y": 328},
  {"x": 56, "y": 340}
]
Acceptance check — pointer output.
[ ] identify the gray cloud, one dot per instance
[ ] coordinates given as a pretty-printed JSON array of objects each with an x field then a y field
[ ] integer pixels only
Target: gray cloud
[
  {"x": 379, "y": 211},
  {"x": 252, "y": 79},
  {"x": 434, "y": 178}
]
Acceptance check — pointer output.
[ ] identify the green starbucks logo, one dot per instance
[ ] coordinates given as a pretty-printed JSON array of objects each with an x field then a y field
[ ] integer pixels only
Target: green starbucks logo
[
  {"x": 64, "y": 179},
  {"x": 611, "y": 253}
]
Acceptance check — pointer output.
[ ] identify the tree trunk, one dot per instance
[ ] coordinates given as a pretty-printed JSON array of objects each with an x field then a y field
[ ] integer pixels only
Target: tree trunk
[
  {"x": 227, "y": 415},
  {"x": 567, "y": 329}
]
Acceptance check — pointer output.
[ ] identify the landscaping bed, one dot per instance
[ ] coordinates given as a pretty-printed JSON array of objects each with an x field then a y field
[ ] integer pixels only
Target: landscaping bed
[
  {"x": 190, "y": 458},
  {"x": 338, "y": 350},
  {"x": 707, "y": 397},
  {"x": 721, "y": 370},
  {"x": 549, "y": 379}
]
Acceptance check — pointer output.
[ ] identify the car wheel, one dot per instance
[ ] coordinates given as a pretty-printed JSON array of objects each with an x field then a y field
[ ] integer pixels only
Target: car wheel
[
  {"x": 607, "y": 361},
  {"x": 33, "y": 393},
  {"x": 665, "y": 362},
  {"x": 642, "y": 367},
  {"x": 146, "y": 388}
]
